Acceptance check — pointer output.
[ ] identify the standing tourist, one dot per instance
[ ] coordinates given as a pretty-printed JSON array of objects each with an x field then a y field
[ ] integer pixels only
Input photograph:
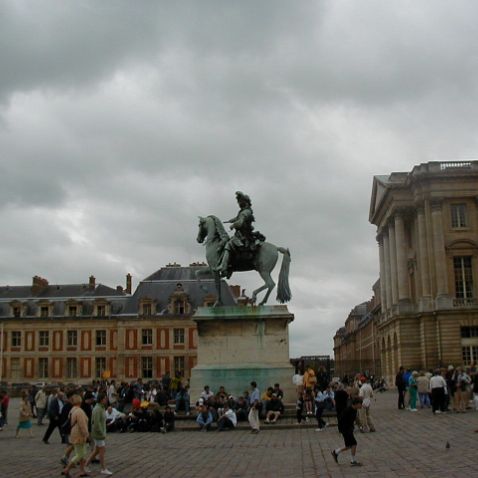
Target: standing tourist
[
  {"x": 346, "y": 428},
  {"x": 462, "y": 382},
  {"x": 401, "y": 387},
  {"x": 438, "y": 388},
  {"x": 255, "y": 404},
  {"x": 40, "y": 400},
  {"x": 55, "y": 408},
  {"x": 98, "y": 432},
  {"x": 78, "y": 437},
  {"x": 112, "y": 394},
  {"x": 4, "y": 402},
  {"x": 25, "y": 417},
  {"x": 366, "y": 394},
  {"x": 298, "y": 381},
  {"x": 413, "y": 391},
  {"x": 423, "y": 386}
]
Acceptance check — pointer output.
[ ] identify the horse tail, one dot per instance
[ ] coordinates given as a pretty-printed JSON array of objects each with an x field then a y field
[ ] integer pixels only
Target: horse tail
[{"x": 283, "y": 289}]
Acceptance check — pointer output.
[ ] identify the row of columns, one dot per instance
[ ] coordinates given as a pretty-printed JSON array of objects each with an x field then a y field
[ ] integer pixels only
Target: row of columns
[{"x": 393, "y": 253}]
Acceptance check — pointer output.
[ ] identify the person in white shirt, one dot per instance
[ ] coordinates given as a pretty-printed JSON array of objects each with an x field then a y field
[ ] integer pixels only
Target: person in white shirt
[
  {"x": 366, "y": 393},
  {"x": 206, "y": 394},
  {"x": 438, "y": 388},
  {"x": 228, "y": 421},
  {"x": 114, "y": 419}
]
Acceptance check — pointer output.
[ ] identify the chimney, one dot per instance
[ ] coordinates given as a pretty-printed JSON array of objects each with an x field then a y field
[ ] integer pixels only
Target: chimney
[
  {"x": 119, "y": 288},
  {"x": 92, "y": 283},
  {"x": 235, "y": 290},
  {"x": 128, "y": 283},
  {"x": 38, "y": 284}
]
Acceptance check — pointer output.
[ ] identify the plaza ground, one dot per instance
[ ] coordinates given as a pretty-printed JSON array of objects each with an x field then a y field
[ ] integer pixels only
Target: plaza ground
[{"x": 406, "y": 445}]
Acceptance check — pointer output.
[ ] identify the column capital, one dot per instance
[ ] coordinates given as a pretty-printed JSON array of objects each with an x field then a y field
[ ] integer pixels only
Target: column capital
[{"x": 436, "y": 204}]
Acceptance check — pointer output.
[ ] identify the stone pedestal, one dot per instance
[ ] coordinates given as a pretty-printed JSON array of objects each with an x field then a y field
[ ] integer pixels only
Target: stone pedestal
[{"x": 237, "y": 345}]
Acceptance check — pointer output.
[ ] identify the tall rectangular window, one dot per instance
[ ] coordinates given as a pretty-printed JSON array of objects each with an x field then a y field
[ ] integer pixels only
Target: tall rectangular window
[
  {"x": 147, "y": 309},
  {"x": 17, "y": 311},
  {"x": 101, "y": 338},
  {"x": 463, "y": 277},
  {"x": 71, "y": 367},
  {"x": 458, "y": 216},
  {"x": 179, "y": 365},
  {"x": 44, "y": 338},
  {"x": 43, "y": 367},
  {"x": 44, "y": 311},
  {"x": 72, "y": 338},
  {"x": 101, "y": 310},
  {"x": 16, "y": 339},
  {"x": 147, "y": 367},
  {"x": 72, "y": 310},
  {"x": 147, "y": 337},
  {"x": 100, "y": 363},
  {"x": 179, "y": 336}
]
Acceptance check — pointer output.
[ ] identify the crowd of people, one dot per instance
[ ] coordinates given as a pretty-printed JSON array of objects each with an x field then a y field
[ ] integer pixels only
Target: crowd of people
[
  {"x": 86, "y": 414},
  {"x": 441, "y": 390}
]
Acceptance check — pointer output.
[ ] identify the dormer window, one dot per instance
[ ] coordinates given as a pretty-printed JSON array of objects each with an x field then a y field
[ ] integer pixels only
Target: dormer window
[
  {"x": 179, "y": 308},
  {"x": 72, "y": 310},
  {"x": 101, "y": 311},
  {"x": 17, "y": 311},
  {"x": 44, "y": 309},
  {"x": 146, "y": 309}
]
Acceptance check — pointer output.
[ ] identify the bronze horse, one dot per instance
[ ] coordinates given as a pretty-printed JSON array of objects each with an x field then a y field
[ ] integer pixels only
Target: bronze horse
[{"x": 263, "y": 261}]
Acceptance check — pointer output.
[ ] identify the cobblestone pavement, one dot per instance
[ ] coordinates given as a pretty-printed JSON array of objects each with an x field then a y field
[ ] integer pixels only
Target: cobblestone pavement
[{"x": 406, "y": 444}]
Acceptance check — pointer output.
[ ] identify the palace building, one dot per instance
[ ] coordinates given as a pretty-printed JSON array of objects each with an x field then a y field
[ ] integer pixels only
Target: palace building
[
  {"x": 427, "y": 232},
  {"x": 80, "y": 332}
]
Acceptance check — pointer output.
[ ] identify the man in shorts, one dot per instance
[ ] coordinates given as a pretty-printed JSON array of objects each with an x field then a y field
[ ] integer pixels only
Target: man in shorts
[
  {"x": 346, "y": 427},
  {"x": 98, "y": 432}
]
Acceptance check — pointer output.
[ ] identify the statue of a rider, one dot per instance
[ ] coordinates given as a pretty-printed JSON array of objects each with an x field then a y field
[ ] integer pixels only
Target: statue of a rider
[{"x": 245, "y": 239}]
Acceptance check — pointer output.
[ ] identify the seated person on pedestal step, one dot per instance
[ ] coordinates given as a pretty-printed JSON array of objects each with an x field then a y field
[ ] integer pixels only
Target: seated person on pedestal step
[
  {"x": 204, "y": 418},
  {"x": 228, "y": 420},
  {"x": 156, "y": 418},
  {"x": 273, "y": 407},
  {"x": 242, "y": 409},
  {"x": 266, "y": 396},
  {"x": 115, "y": 420},
  {"x": 221, "y": 400},
  {"x": 182, "y": 399},
  {"x": 280, "y": 395},
  {"x": 169, "y": 419},
  {"x": 206, "y": 394}
]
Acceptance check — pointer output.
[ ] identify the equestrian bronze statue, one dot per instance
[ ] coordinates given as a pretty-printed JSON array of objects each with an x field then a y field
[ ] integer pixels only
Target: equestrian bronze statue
[{"x": 246, "y": 250}]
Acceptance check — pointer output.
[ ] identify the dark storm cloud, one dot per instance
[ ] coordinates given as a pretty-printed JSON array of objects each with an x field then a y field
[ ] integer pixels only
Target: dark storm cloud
[{"x": 120, "y": 123}]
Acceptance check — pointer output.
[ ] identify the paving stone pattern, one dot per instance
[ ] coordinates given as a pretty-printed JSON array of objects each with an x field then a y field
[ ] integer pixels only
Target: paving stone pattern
[{"x": 406, "y": 445}]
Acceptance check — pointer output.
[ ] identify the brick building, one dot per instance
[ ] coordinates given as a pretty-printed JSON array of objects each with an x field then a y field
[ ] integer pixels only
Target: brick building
[{"x": 79, "y": 332}]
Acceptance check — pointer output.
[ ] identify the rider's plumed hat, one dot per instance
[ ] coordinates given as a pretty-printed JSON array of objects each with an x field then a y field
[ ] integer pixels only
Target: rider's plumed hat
[{"x": 240, "y": 196}]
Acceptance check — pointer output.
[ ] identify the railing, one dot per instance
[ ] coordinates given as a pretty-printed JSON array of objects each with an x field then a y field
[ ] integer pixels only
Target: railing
[
  {"x": 455, "y": 165},
  {"x": 465, "y": 302}
]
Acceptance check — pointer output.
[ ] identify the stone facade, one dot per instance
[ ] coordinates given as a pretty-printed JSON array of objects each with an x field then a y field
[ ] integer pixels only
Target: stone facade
[
  {"x": 427, "y": 233},
  {"x": 80, "y": 332},
  {"x": 237, "y": 345},
  {"x": 356, "y": 345}
]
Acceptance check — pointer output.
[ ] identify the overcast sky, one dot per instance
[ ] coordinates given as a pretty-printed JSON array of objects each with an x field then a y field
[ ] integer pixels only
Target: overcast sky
[{"x": 121, "y": 122}]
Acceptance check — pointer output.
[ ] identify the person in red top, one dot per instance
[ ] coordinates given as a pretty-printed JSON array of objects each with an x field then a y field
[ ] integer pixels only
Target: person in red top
[{"x": 5, "y": 400}]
